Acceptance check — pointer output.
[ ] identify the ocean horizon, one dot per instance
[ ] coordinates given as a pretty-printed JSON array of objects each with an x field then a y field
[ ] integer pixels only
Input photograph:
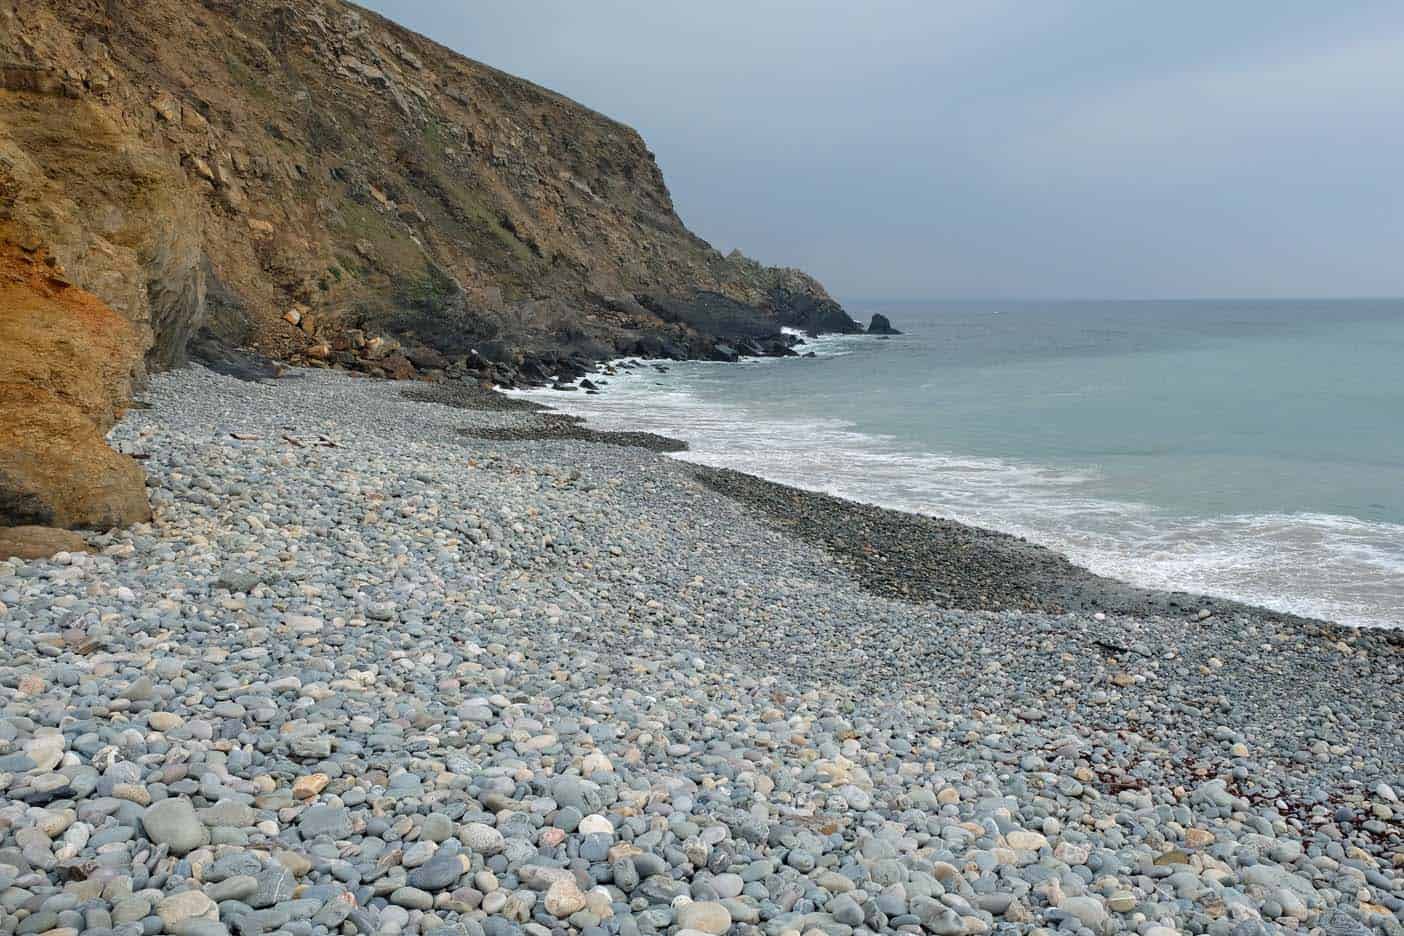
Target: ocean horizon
[{"x": 1247, "y": 449}]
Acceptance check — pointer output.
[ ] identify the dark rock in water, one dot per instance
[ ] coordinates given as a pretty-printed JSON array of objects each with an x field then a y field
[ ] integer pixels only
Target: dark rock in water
[
  {"x": 810, "y": 354},
  {"x": 563, "y": 386},
  {"x": 569, "y": 370},
  {"x": 881, "y": 326},
  {"x": 534, "y": 371},
  {"x": 813, "y": 316},
  {"x": 724, "y": 352},
  {"x": 588, "y": 385},
  {"x": 652, "y": 346},
  {"x": 739, "y": 329}
]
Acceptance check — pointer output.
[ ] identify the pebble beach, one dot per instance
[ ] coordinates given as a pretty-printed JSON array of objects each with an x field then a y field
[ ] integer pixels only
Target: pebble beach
[{"x": 449, "y": 664}]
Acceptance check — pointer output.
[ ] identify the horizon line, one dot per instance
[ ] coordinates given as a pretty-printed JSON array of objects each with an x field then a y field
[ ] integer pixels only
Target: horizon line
[{"x": 1066, "y": 299}]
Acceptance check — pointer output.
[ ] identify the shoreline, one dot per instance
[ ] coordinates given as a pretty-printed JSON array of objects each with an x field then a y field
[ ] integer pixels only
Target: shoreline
[
  {"x": 371, "y": 669},
  {"x": 894, "y": 553},
  {"x": 921, "y": 557}
]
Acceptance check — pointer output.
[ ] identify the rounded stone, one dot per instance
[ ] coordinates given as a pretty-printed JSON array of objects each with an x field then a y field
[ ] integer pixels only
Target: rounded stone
[
  {"x": 174, "y": 823},
  {"x": 482, "y": 838},
  {"x": 186, "y": 905},
  {"x": 411, "y": 898},
  {"x": 705, "y": 916}
]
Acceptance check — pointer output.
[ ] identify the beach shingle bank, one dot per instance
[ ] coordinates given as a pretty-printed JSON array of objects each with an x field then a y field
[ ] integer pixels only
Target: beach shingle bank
[{"x": 369, "y": 672}]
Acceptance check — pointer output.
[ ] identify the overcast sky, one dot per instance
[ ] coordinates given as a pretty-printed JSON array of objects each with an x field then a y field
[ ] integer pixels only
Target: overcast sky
[{"x": 999, "y": 148}]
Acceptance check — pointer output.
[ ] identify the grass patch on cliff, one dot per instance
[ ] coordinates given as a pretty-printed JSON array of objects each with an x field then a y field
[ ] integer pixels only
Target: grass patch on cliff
[
  {"x": 245, "y": 77},
  {"x": 393, "y": 249},
  {"x": 455, "y": 199},
  {"x": 432, "y": 292}
]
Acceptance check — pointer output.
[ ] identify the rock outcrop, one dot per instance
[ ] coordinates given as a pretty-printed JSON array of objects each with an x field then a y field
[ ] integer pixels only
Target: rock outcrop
[
  {"x": 67, "y": 362},
  {"x": 301, "y": 180},
  {"x": 880, "y": 325}
]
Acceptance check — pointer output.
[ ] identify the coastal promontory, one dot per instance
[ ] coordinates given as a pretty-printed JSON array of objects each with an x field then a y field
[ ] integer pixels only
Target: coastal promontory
[{"x": 307, "y": 182}]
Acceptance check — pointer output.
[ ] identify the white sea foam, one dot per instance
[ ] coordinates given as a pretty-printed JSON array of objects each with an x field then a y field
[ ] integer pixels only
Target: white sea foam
[
  {"x": 1320, "y": 565},
  {"x": 821, "y": 345}
]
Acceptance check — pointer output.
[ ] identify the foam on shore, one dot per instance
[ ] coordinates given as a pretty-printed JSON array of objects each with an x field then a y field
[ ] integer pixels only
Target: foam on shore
[{"x": 1311, "y": 564}]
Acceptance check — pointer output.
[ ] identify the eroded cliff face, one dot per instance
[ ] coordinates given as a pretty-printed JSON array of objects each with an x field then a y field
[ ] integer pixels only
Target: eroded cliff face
[
  {"x": 310, "y": 179},
  {"x": 65, "y": 375},
  {"x": 115, "y": 211}
]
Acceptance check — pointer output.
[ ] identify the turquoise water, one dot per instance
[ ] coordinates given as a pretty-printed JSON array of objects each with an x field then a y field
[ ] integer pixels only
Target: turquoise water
[{"x": 1249, "y": 449}]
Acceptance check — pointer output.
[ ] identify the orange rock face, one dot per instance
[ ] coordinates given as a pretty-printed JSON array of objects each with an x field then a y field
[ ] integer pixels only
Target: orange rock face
[{"x": 66, "y": 366}]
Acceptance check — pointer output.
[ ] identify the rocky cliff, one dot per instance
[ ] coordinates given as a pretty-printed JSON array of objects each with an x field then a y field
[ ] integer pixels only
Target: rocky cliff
[
  {"x": 311, "y": 180},
  {"x": 308, "y": 181}
]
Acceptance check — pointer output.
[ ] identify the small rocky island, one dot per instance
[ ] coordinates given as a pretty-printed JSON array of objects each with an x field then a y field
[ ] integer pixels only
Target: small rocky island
[{"x": 880, "y": 325}]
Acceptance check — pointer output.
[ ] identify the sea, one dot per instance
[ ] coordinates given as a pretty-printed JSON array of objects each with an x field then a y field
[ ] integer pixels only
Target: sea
[{"x": 1247, "y": 449}]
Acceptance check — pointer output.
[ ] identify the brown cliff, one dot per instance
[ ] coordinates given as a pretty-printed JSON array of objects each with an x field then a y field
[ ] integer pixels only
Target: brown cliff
[
  {"x": 302, "y": 175},
  {"x": 313, "y": 182}
]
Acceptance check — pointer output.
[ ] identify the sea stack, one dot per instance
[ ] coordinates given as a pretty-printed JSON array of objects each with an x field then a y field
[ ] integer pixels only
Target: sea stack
[{"x": 881, "y": 326}]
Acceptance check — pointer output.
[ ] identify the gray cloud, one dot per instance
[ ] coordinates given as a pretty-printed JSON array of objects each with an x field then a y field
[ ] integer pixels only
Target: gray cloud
[{"x": 999, "y": 148}]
